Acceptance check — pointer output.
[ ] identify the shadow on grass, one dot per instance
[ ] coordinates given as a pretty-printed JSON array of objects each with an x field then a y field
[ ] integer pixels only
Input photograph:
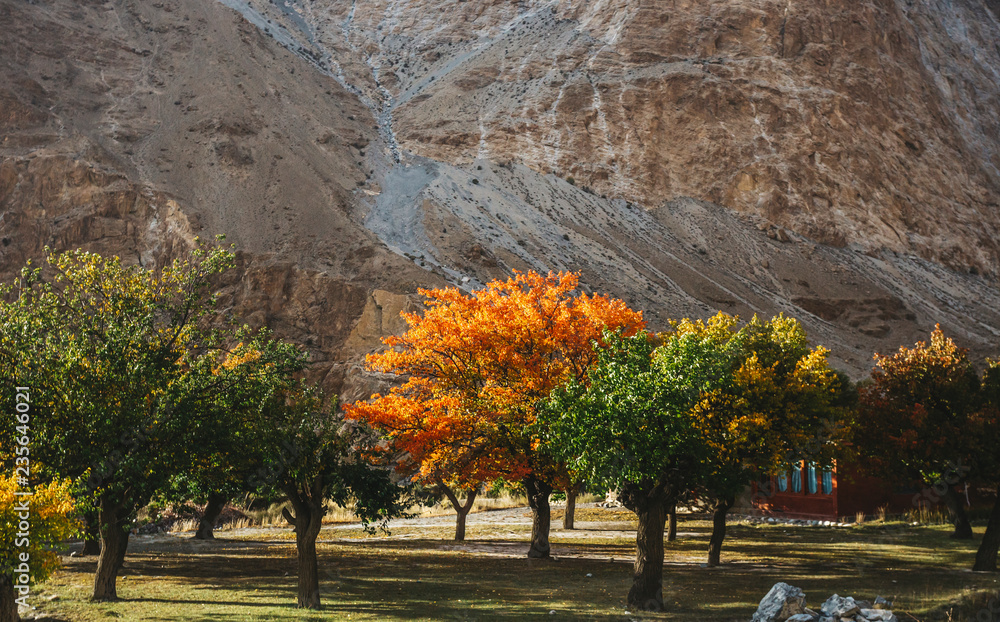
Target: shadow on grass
[{"x": 431, "y": 579}]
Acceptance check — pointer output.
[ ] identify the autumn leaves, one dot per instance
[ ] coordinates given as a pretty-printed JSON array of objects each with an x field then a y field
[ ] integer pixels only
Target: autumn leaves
[
  {"x": 530, "y": 380},
  {"x": 477, "y": 366}
]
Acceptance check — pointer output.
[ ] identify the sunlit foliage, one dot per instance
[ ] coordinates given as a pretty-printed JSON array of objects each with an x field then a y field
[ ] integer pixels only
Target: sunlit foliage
[{"x": 477, "y": 364}]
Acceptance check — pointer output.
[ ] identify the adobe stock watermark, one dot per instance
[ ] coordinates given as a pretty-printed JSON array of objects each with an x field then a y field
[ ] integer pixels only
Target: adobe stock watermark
[{"x": 22, "y": 505}]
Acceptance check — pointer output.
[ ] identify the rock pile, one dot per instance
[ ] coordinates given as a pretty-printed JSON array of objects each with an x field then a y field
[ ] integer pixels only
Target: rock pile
[
  {"x": 798, "y": 522},
  {"x": 785, "y": 603}
]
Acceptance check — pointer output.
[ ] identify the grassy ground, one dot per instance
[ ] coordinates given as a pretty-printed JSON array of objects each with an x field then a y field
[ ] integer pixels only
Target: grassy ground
[{"x": 416, "y": 573}]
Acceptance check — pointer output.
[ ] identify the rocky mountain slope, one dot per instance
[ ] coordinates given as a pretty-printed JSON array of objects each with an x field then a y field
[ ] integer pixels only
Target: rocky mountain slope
[{"x": 836, "y": 161}]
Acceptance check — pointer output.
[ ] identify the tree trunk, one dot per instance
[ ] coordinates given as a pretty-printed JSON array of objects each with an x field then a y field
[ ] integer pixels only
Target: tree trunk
[
  {"x": 647, "y": 583},
  {"x": 956, "y": 506},
  {"x": 672, "y": 523},
  {"x": 461, "y": 509},
  {"x": 538, "y": 499},
  {"x": 308, "y": 519},
  {"x": 214, "y": 507},
  {"x": 92, "y": 537},
  {"x": 92, "y": 530},
  {"x": 114, "y": 543},
  {"x": 718, "y": 530},
  {"x": 8, "y": 600},
  {"x": 986, "y": 556},
  {"x": 569, "y": 516},
  {"x": 305, "y": 543}
]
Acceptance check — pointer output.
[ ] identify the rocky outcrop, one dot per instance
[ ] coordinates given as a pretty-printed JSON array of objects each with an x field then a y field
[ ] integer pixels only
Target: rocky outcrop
[
  {"x": 869, "y": 123},
  {"x": 130, "y": 128}
]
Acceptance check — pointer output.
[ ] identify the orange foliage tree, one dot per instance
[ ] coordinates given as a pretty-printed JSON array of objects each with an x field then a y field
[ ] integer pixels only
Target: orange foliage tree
[
  {"x": 917, "y": 419},
  {"x": 928, "y": 416},
  {"x": 477, "y": 365}
]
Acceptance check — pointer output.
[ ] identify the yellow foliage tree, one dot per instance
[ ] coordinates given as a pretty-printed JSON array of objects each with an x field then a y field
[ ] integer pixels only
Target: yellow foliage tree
[
  {"x": 773, "y": 402},
  {"x": 29, "y": 526}
]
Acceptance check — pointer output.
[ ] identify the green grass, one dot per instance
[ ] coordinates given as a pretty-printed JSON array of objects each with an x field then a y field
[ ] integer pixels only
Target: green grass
[{"x": 417, "y": 573}]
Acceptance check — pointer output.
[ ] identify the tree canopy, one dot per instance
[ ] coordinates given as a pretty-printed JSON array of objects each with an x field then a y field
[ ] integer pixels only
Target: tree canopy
[
  {"x": 476, "y": 365},
  {"x": 313, "y": 457},
  {"x": 126, "y": 365},
  {"x": 707, "y": 406},
  {"x": 928, "y": 416}
]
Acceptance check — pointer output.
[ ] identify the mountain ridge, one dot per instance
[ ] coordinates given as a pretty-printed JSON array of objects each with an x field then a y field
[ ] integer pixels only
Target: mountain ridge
[{"x": 351, "y": 168}]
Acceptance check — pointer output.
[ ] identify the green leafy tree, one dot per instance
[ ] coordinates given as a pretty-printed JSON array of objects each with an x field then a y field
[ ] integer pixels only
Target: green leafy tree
[
  {"x": 230, "y": 457},
  {"x": 127, "y": 366},
  {"x": 628, "y": 430},
  {"x": 772, "y": 402},
  {"x": 315, "y": 457},
  {"x": 708, "y": 407}
]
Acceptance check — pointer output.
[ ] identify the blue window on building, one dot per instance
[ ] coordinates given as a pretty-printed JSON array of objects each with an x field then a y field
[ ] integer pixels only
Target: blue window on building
[
  {"x": 783, "y": 482},
  {"x": 811, "y": 478},
  {"x": 827, "y": 482},
  {"x": 797, "y": 480}
]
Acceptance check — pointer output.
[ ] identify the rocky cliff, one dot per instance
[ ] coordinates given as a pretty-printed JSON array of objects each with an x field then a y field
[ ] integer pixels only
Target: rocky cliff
[{"x": 839, "y": 161}]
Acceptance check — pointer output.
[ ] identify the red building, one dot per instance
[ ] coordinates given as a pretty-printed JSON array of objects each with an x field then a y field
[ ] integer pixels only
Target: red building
[{"x": 809, "y": 492}]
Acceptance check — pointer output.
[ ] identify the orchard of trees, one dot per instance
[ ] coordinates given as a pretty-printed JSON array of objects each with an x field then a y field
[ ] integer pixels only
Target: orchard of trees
[{"x": 141, "y": 387}]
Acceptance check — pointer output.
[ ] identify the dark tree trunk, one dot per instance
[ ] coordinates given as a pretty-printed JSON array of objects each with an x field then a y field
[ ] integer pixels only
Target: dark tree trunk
[
  {"x": 672, "y": 523},
  {"x": 538, "y": 499},
  {"x": 718, "y": 530},
  {"x": 309, "y": 511},
  {"x": 92, "y": 537},
  {"x": 461, "y": 509},
  {"x": 305, "y": 543},
  {"x": 650, "y": 505},
  {"x": 216, "y": 503},
  {"x": 956, "y": 506},
  {"x": 91, "y": 531},
  {"x": 570, "y": 515},
  {"x": 114, "y": 543},
  {"x": 8, "y": 600},
  {"x": 986, "y": 556}
]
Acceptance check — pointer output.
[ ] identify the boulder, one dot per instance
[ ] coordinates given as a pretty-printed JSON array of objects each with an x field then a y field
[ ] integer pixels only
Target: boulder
[
  {"x": 840, "y": 607},
  {"x": 878, "y": 615},
  {"x": 785, "y": 603},
  {"x": 781, "y": 603}
]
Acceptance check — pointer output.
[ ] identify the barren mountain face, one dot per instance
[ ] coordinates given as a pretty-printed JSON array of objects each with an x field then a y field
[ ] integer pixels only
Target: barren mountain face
[{"x": 837, "y": 161}]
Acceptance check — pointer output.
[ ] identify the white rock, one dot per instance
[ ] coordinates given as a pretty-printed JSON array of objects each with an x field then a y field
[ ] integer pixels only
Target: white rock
[
  {"x": 781, "y": 602},
  {"x": 839, "y": 607},
  {"x": 880, "y": 615}
]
